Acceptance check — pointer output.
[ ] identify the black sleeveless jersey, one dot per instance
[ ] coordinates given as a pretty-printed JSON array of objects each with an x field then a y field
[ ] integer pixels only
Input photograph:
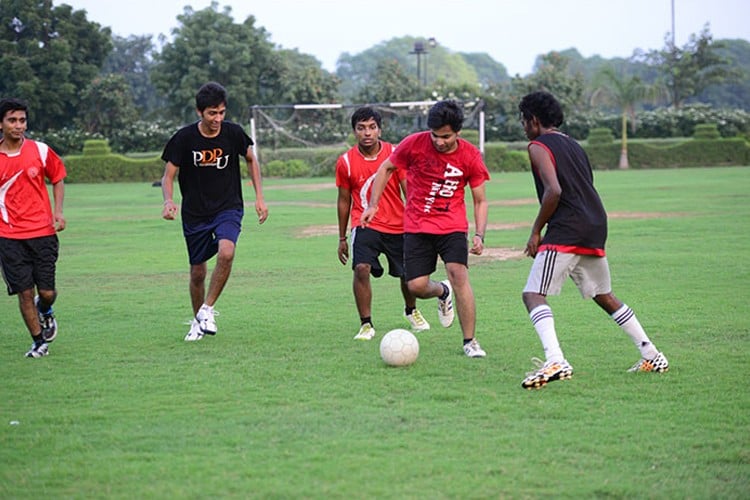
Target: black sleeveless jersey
[
  {"x": 210, "y": 178},
  {"x": 579, "y": 225}
]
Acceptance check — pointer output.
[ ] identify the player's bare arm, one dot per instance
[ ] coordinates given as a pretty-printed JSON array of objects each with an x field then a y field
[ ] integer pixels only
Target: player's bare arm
[
  {"x": 541, "y": 160},
  {"x": 58, "y": 193},
  {"x": 479, "y": 195},
  {"x": 253, "y": 170},
  {"x": 169, "y": 211},
  {"x": 343, "y": 204}
]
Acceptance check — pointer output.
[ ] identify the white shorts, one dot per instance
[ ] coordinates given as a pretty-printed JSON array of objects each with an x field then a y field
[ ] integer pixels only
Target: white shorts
[{"x": 551, "y": 268}]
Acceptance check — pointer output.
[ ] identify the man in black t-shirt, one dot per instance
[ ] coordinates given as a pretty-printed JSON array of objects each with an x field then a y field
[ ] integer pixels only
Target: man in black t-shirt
[
  {"x": 205, "y": 157},
  {"x": 573, "y": 244}
]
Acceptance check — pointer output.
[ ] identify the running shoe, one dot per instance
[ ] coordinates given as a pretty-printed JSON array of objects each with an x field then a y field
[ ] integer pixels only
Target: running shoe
[
  {"x": 366, "y": 332},
  {"x": 658, "y": 364},
  {"x": 47, "y": 321},
  {"x": 546, "y": 372},
  {"x": 417, "y": 321},
  {"x": 474, "y": 350},
  {"x": 445, "y": 307},
  {"x": 38, "y": 350}
]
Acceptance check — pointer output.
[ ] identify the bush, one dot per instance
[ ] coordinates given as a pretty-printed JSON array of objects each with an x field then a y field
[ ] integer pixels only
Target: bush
[
  {"x": 320, "y": 161},
  {"x": 94, "y": 147},
  {"x": 706, "y": 131},
  {"x": 94, "y": 168},
  {"x": 288, "y": 168},
  {"x": 498, "y": 158},
  {"x": 600, "y": 136},
  {"x": 689, "y": 153}
]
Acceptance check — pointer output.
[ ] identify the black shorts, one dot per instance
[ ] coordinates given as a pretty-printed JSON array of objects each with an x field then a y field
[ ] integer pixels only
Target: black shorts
[
  {"x": 422, "y": 250},
  {"x": 29, "y": 263},
  {"x": 202, "y": 238},
  {"x": 368, "y": 244}
]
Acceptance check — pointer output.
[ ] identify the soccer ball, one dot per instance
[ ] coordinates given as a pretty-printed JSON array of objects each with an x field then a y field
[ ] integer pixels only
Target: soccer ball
[{"x": 399, "y": 347}]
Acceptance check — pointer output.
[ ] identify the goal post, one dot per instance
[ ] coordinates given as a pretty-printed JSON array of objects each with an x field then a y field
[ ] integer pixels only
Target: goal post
[{"x": 319, "y": 125}]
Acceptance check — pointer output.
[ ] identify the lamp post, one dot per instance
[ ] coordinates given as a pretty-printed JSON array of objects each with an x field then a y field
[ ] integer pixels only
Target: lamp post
[{"x": 419, "y": 51}]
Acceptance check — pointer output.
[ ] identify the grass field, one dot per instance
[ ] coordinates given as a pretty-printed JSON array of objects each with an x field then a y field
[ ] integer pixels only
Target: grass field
[{"x": 282, "y": 403}]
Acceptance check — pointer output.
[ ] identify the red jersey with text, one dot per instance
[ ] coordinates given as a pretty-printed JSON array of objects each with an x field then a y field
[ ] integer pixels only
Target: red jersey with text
[
  {"x": 579, "y": 224},
  {"x": 436, "y": 183},
  {"x": 25, "y": 210},
  {"x": 356, "y": 173}
]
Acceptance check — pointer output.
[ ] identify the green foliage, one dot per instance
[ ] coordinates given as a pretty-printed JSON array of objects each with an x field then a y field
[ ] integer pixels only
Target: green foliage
[
  {"x": 600, "y": 136},
  {"x": 320, "y": 161},
  {"x": 286, "y": 168},
  {"x": 706, "y": 131},
  {"x": 96, "y": 147},
  {"x": 66, "y": 140},
  {"x": 209, "y": 46},
  {"x": 133, "y": 59},
  {"x": 389, "y": 83},
  {"x": 106, "y": 105},
  {"x": 689, "y": 153},
  {"x": 689, "y": 70},
  {"x": 49, "y": 55},
  {"x": 92, "y": 167},
  {"x": 499, "y": 158}
]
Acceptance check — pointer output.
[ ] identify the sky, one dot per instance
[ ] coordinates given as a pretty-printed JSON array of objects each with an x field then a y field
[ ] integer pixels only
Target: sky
[{"x": 512, "y": 32}]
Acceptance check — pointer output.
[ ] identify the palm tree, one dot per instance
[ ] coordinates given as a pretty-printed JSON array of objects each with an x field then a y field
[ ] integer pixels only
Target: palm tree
[{"x": 625, "y": 92}]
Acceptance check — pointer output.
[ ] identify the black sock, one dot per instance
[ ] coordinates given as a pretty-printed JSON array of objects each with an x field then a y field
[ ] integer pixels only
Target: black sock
[
  {"x": 408, "y": 310},
  {"x": 368, "y": 319},
  {"x": 466, "y": 341},
  {"x": 38, "y": 338},
  {"x": 446, "y": 292}
]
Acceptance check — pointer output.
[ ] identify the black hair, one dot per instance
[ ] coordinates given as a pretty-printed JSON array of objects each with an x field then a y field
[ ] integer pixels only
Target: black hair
[
  {"x": 544, "y": 107},
  {"x": 365, "y": 113},
  {"x": 12, "y": 104},
  {"x": 210, "y": 95},
  {"x": 446, "y": 113}
]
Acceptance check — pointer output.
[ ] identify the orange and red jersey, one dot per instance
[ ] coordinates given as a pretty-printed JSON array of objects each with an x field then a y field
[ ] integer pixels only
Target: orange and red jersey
[
  {"x": 25, "y": 210},
  {"x": 356, "y": 173}
]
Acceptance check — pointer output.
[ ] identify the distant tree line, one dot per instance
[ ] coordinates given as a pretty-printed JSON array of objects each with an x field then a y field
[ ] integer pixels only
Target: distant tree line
[{"x": 83, "y": 82}]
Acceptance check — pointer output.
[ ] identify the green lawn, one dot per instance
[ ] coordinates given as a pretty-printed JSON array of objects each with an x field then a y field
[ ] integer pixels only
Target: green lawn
[{"x": 282, "y": 403}]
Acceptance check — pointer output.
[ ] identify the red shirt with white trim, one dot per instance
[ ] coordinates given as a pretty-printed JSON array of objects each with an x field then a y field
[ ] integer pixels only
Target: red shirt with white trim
[
  {"x": 436, "y": 183},
  {"x": 25, "y": 210},
  {"x": 356, "y": 173}
]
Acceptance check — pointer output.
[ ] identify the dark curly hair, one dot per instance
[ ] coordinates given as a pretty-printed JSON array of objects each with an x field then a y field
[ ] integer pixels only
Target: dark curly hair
[{"x": 544, "y": 107}]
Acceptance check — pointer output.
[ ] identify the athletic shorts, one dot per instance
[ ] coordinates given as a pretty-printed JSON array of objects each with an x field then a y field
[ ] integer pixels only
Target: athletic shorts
[
  {"x": 421, "y": 251},
  {"x": 202, "y": 238},
  {"x": 551, "y": 268},
  {"x": 29, "y": 263},
  {"x": 368, "y": 244}
]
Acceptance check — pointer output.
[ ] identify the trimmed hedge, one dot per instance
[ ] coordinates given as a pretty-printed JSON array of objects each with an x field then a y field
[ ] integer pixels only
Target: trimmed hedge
[
  {"x": 690, "y": 153},
  {"x": 112, "y": 168}
]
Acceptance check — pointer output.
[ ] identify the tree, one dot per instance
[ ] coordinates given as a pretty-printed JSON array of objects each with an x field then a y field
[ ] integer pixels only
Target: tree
[
  {"x": 625, "y": 92},
  {"x": 551, "y": 74},
  {"x": 389, "y": 83},
  {"x": 209, "y": 46},
  {"x": 107, "y": 106},
  {"x": 687, "y": 71},
  {"x": 49, "y": 55},
  {"x": 133, "y": 59}
]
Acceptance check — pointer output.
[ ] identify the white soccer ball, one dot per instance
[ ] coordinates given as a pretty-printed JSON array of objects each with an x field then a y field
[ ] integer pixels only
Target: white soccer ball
[{"x": 399, "y": 347}]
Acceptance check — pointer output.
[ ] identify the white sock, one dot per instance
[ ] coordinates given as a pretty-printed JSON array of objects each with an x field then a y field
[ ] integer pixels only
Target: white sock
[
  {"x": 207, "y": 308},
  {"x": 544, "y": 324},
  {"x": 625, "y": 318}
]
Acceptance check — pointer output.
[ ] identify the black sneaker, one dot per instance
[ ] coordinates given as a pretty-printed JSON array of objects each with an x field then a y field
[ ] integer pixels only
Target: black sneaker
[{"x": 47, "y": 321}]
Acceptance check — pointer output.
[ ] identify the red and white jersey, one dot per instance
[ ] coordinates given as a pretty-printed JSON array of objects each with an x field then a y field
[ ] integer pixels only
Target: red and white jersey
[
  {"x": 356, "y": 173},
  {"x": 436, "y": 183},
  {"x": 25, "y": 210}
]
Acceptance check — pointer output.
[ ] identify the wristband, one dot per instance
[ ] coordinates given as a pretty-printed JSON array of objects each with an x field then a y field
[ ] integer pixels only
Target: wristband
[
  {"x": 342, "y": 238},
  {"x": 481, "y": 236}
]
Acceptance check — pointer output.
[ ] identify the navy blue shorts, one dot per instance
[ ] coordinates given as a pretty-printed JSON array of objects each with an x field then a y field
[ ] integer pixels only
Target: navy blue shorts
[
  {"x": 368, "y": 244},
  {"x": 202, "y": 238},
  {"x": 422, "y": 250},
  {"x": 29, "y": 263}
]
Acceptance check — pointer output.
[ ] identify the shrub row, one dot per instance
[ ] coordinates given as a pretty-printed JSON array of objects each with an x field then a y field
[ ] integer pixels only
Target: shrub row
[{"x": 690, "y": 153}]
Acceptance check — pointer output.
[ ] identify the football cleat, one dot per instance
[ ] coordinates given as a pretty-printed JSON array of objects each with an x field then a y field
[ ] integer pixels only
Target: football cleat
[
  {"x": 417, "y": 321},
  {"x": 445, "y": 307},
  {"x": 659, "y": 364},
  {"x": 474, "y": 350},
  {"x": 366, "y": 332},
  {"x": 38, "y": 350},
  {"x": 195, "y": 332},
  {"x": 546, "y": 372},
  {"x": 206, "y": 320},
  {"x": 47, "y": 321}
]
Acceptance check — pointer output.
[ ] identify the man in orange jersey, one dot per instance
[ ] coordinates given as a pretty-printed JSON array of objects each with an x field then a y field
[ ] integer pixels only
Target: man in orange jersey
[
  {"x": 355, "y": 171},
  {"x": 28, "y": 224}
]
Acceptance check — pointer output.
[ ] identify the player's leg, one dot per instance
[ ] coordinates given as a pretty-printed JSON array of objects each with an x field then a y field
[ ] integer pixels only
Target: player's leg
[
  {"x": 365, "y": 262},
  {"x": 392, "y": 245}
]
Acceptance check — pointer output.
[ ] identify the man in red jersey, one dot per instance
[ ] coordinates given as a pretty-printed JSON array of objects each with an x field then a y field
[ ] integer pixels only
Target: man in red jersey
[
  {"x": 438, "y": 166},
  {"x": 28, "y": 225},
  {"x": 573, "y": 244},
  {"x": 355, "y": 171}
]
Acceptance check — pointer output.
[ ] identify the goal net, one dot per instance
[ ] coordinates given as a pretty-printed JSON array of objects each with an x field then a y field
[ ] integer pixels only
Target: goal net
[{"x": 276, "y": 127}]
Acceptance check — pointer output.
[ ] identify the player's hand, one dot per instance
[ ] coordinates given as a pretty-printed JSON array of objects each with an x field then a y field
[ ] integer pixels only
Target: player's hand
[
  {"x": 368, "y": 215},
  {"x": 343, "y": 252},
  {"x": 169, "y": 211},
  {"x": 477, "y": 245},
  {"x": 59, "y": 222},
  {"x": 532, "y": 246},
  {"x": 262, "y": 210}
]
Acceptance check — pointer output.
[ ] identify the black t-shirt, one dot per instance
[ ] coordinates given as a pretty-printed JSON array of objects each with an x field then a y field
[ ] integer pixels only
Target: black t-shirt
[
  {"x": 580, "y": 219},
  {"x": 209, "y": 176}
]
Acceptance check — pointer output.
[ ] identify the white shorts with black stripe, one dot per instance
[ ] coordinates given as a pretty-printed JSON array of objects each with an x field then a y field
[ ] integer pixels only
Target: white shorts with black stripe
[{"x": 551, "y": 268}]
